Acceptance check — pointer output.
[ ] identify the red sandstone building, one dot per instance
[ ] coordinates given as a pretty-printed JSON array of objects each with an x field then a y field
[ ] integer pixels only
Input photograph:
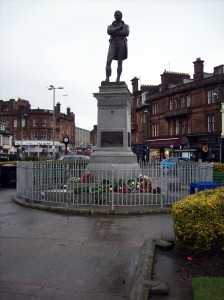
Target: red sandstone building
[
  {"x": 181, "y": 116},
  {"x": 32, "y": 129}
]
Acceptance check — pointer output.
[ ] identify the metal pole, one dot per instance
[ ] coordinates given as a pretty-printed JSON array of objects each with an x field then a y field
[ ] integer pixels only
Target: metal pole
[
  {"x": 21, "y": 144},
  {"x": 112, "y": 179},
  {"x": 54, "y": 88},
  {"x": 21, "y": 134},
  {"x": 53, "y": 121}
]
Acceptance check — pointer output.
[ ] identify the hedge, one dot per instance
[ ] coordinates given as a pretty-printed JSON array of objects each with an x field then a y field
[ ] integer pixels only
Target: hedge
[
  {"x": 8, "y": 162},
  {"x": 199, "y": 221},
  {"x": 218, "y": 167}
]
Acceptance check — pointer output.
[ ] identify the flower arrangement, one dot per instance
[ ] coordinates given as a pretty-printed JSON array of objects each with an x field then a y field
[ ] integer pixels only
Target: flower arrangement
[
  {"x": 87, "y": 178},
  {"x": 144, "y": 184},
  {"x": 74, "y": 179},
  {"x": 141, "y": 184}
]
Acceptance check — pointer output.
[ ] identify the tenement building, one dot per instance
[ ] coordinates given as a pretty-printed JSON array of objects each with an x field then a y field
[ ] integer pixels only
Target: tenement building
[
  {"x": 5, "y": 140},
  {"x": 82, "y": 137},
  {"x": 181, "y": 116},
  {"x": 32, "y": 129}
]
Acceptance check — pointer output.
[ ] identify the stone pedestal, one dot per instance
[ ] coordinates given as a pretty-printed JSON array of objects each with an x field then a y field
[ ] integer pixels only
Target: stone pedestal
[{"x": 114, "y": 128}]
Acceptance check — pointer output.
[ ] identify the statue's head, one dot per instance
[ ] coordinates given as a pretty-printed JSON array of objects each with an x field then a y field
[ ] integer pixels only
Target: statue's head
[{"x": 118, "y": 15}]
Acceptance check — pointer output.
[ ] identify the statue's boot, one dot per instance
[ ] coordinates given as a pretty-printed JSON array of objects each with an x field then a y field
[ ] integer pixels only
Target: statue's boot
[
  {"x": 108, "y": 73},
  {"x": 119, "y": 71}
]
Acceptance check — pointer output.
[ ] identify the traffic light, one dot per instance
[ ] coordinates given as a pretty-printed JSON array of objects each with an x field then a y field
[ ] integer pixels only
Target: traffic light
[{"x": 23, "y": 150}]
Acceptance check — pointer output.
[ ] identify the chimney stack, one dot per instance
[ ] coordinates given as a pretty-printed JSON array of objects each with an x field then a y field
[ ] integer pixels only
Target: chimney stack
[
  {"x": 58, "y": 108},
  {"x": 134, "y": 83},
  {"x": 198, "y": 69}
]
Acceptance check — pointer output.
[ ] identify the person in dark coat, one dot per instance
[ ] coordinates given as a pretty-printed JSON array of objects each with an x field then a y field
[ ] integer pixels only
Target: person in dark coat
[{"x": 118, "y": 50}]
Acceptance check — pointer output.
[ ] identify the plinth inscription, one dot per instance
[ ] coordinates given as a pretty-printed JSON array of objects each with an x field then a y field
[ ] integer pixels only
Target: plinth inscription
[{"x": 111, "y": 138}]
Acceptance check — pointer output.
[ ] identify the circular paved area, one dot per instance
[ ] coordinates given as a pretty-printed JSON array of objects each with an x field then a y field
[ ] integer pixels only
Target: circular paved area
[{"x": 52, "y": 256}]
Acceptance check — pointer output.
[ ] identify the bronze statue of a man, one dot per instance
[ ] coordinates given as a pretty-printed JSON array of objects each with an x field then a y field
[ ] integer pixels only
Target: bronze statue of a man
[{"x": 118, "y": 49}]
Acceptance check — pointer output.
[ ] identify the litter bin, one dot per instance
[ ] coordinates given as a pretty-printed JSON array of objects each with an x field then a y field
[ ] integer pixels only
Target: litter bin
[
  {"x": 196, "y": 187},
  {"x": 8, "y": 176}
]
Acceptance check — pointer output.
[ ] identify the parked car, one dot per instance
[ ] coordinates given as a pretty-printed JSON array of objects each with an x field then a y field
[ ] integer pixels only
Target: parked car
[
  {"x": 76, "y": 165},
  {"x": 74, "y": 157},
  {"x": 9, "y": 157},
  {"x": 170, "y": 164}
]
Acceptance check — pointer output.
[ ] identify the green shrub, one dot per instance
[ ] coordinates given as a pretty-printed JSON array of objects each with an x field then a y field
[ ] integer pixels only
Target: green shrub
[
  {"x": 199, "y": 221},
  {"x": 7, "y": 162},
  {"x": 218, "y": 167},
  {"x": 30, "y": 158}
]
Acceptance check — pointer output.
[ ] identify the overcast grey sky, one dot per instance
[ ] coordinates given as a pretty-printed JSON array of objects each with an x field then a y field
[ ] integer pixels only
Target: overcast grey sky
[{"x": 65, "y": 43}]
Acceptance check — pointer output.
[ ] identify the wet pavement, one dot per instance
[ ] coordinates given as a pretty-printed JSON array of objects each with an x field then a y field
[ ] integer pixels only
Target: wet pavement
[
  {"x": 166, "y": 268},
  {"x": 44, "y": 255}
]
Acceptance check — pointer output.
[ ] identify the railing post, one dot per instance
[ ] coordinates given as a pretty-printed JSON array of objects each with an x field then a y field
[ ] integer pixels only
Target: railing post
[
  {"x": 112, "y": 179},
  {"x": 161, "y": 200}
]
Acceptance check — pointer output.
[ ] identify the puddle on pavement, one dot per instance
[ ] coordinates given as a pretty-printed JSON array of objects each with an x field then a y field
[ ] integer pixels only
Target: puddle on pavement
[{"x": 167, "y": 268}]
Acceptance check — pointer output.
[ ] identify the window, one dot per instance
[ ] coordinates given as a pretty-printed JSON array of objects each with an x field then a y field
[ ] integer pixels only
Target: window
[
  {"x": 34, "y": 122},
  {"x": 182, "y": 102},
  {"x": 155, "y": 108},
  {"x": 212, "y": 96},
  {"x": 177, "y": 126},
  {"x": 171, "y": 127},
  {"x": 155, "y": 130},
  {"x": 44, "y": 123},
  {"x": 5, "y": 140},
  {"x": 177, "y": 103},
  {"x": 144, "y": 97},
  {"x": 23, "y": 122},
  {"x": 188, "y": 126},
  {"x": 188, "y": 100},
  {"x": 33, "y": 135},
  {"x": 15, "y": 123},
  {"x": 171, "y": 104},
  {"x": 182, "y": 126},
  {"x": 51, "y": 135},
  {"x": 44, "y": 135},
  {"x": 211, "y": 123}
]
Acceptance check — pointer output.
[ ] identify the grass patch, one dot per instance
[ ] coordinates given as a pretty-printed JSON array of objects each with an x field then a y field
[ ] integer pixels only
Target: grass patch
[{"x": 207, "y": 288}]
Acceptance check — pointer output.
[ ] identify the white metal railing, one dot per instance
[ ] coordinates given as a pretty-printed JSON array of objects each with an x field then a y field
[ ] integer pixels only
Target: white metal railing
[{"x": 69, "y": 184}]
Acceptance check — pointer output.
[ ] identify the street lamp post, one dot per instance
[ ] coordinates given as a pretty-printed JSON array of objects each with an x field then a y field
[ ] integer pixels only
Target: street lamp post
[
  {"x": 21, "y": 145},
  {"x": 54, "y": 88}
]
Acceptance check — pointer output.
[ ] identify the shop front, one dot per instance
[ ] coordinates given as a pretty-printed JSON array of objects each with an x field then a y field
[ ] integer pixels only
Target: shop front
[
  {"x": 163, "y": 147},
  {"x": 209, "y": 147},
  {"x": 37, "y": 148}
]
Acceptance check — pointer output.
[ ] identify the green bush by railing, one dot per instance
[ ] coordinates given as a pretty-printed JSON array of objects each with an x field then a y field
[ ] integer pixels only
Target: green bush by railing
[
  {"x": 7, "y": 162},
  {"x": 218, "y": 172},
  {"x": 218, "y": 167},
  {"x": 218, "y": 176},
  {"x": 199, "y": 221}
]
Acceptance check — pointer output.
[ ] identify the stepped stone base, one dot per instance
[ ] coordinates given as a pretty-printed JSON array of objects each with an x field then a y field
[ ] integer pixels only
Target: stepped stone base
[{"x": 114, "y": 102}]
